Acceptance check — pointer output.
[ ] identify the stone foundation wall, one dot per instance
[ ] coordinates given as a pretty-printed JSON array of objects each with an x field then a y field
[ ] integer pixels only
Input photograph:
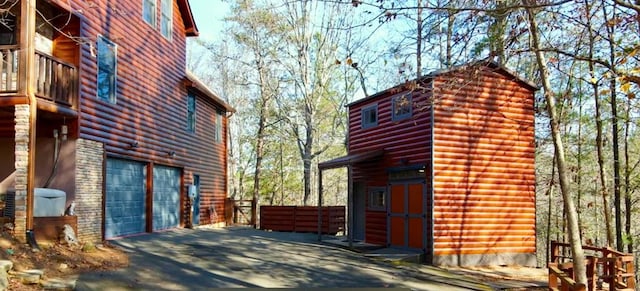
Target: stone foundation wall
[
  {"x": 22, "y": 114},
  {"x": 89, "y": 183},
  {"x": 508, "y": 259}
]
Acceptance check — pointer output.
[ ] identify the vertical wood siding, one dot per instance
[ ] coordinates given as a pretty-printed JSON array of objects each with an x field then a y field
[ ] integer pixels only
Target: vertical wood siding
[
  {"x": 483, "y": 164},
  {"x": 407, "y": 140},
  {"x": 151, "y": 99}
]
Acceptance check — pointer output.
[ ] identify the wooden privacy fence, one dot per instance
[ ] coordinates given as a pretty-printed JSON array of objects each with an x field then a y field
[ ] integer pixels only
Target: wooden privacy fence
[
  {"x": 302, "y": 218},
  {"x": 607, "y": 269}
]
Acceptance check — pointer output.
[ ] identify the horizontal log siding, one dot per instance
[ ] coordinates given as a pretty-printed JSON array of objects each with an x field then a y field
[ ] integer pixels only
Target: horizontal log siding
[
  {"x": 151, "y": 100},
  {"x": 407, "y": 139},
  {"x": 483, "y": 164}
]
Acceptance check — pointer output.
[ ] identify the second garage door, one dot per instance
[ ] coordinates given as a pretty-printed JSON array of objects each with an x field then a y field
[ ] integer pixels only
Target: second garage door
[{"x": 166, "y": 197}]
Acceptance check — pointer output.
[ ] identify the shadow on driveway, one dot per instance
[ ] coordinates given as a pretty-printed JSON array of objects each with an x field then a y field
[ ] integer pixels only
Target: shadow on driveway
[{"x": 185, "y": 259}]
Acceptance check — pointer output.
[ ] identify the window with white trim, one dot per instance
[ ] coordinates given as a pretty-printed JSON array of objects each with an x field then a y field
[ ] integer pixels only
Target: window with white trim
[
  {"x": 149, "y": 12},
  {"x": 107, "y": 68},
  {"x": 166, "y": 18}
]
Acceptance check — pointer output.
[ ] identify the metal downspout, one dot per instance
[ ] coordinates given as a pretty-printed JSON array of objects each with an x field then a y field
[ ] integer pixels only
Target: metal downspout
[{"x": 432, "y": 178}]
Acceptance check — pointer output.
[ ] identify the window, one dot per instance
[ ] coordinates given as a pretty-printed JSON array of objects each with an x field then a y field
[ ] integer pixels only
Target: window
[
  {"x": 369, "y": 116},
  {"x": 107, "y": 65},
  {"x": 377, "y": 197},
  {"x": 149, "y": 12},
  {"x": 218, "y": 133},
  {"x": 166, "y": 18},
  {"x": 402, "y": 106},
  {"x": 8, "y": 28},
  {"x": 191, "y": 112}
]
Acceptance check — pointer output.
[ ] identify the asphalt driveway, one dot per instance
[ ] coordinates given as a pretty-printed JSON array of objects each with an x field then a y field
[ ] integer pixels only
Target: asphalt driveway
[{"x": 186, "y": 259}]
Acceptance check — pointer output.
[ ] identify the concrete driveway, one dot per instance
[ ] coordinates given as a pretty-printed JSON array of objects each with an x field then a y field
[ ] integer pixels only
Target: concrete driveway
[{"x": 186, "y": 259}]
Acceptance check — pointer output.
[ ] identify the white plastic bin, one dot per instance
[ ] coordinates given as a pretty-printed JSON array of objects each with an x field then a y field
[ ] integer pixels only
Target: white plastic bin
[{"x": 49, "y": 202}]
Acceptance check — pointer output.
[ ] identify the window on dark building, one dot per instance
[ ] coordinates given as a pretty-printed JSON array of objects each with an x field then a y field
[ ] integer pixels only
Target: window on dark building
[
  {"x": 402, "y": 106},
  {"x": 369, "y": 116}
]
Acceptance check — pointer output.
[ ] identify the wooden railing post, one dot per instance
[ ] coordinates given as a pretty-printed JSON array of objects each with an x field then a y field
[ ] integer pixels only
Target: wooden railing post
[
  {"x": 254, "y": 211},
  {"x": 555, "y": 252}
]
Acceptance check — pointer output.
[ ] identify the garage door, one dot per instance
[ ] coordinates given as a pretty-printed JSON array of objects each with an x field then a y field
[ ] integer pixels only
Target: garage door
[
  {"x": 166, "y": 197},
  {"x": 124, "y": 198}
]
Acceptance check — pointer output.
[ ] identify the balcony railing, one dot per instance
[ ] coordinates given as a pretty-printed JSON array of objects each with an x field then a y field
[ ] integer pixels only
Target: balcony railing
[
  {"x": 9, "y": 69},
  {"x": 56, "y": 80}
]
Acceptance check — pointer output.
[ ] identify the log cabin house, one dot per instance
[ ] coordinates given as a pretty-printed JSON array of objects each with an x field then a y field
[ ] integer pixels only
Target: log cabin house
[
  {"x": 445, "y": 165},
  {"x": 96, "y": 102}
]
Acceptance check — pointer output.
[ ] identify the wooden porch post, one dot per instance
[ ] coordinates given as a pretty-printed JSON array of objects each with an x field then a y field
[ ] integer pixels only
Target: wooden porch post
[
  {"x": 27, "y": 35},
  {"x": 319, "y": 204},
  {"x": 350, "y": 205}
]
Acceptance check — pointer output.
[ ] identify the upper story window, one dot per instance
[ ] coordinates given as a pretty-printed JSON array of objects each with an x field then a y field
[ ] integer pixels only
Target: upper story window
[
  {"x": 218, "y": 132},
  {"x": 166, "y": 18},
  {"x": 402, "y": 106},
  {"x": 107, "y": 67},
  {"x": 191, "y": 112},
  {"x": 369, "y": 116},
  {"x": 149, "y": 11}
]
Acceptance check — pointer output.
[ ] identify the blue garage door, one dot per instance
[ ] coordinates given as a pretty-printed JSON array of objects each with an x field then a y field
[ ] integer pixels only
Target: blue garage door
[
  {"x": 124, "y": 198},
  {"x": 166, "y": 197}
]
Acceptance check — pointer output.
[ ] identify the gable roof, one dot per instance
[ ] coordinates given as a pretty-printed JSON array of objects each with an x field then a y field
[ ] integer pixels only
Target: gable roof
[
  {"x": 192, "y": 81},
  {"x": 486, "y": 63},
  {"x": 187, "y": 18}
]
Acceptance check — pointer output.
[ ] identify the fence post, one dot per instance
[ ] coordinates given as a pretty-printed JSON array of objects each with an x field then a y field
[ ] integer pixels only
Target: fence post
[{"x": 254, "y": 211}]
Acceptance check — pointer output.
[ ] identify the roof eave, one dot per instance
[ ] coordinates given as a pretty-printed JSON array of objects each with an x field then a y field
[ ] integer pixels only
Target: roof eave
[
  {"x": 430, "y": 76},
  {"x": 193, "y": 82},
  {"x": 187, "y": 17}
]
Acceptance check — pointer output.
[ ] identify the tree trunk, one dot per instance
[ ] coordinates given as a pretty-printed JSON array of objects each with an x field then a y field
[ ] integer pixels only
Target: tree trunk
[
  {"x": 615, "y": 143},
  {"x": 497, "y": 31},
  {"x": 259, "y": 155},
  {"x": 627, "y": 177},
  {"x": 599, "y": 140},
  {"x": 550, "y": 195},
  {"x": 580, "y": 268}
]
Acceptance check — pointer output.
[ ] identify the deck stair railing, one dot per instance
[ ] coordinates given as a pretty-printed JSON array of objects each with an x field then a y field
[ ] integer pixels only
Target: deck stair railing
[{"x": 607, "y": 269}]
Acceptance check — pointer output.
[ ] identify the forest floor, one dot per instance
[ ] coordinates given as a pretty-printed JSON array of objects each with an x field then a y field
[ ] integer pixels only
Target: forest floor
[{"x": 58, "y": 260}]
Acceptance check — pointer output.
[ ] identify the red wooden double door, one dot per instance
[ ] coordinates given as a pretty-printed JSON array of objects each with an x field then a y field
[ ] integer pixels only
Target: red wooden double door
[{"x": 408, "y": 215}]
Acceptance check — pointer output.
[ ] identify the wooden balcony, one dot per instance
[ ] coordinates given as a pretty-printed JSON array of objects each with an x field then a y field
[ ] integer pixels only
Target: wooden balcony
[{"x": 56, "y": 80}]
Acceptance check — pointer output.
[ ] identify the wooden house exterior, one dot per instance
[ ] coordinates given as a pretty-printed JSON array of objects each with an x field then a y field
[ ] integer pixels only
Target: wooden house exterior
[
  {"x": 109, "y": 114},
  {"x": 445, "y": 165}
]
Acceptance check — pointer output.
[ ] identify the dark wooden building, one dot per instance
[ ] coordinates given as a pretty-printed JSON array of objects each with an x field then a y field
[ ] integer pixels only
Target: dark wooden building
[
  {"x": 95, "y": 100},
  {"x": 445, "y": 165}
]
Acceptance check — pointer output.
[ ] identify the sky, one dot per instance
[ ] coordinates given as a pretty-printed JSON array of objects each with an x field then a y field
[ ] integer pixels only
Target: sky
[{"x": 208, "y": 15}]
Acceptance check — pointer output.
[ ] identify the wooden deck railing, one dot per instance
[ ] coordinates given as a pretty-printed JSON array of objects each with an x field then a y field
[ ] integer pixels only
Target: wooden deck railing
[
  {"x": 606, "y": 265},
  {"x": 56, "y": 80},
  {"x": 9, "y": 68}
]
